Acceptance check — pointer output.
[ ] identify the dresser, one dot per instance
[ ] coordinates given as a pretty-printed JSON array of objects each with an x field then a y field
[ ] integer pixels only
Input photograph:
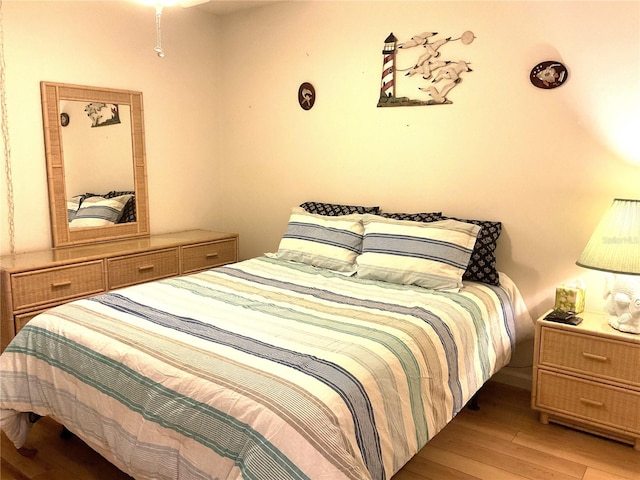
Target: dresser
[
  {"x": 588, "y": 377},
  {"x": 35, "y": 281}
]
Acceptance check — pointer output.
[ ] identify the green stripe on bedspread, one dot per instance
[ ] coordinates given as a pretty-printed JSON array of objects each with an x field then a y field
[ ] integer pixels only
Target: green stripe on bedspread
[
  {"x": 209, "y": 426},
  {"x": 333, "y": 375}
]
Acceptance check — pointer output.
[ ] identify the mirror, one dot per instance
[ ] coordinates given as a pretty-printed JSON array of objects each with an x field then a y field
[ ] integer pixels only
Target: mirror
[
  {"x": 111, "y": 165},
  {"x": 96, "y": 169}
]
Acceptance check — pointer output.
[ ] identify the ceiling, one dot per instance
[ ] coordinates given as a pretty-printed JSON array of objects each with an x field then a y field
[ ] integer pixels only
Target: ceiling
[{"x": 224, "y": 7}]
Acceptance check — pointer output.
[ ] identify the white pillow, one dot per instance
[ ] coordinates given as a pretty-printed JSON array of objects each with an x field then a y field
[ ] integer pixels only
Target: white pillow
[
  {"x": 432, "y": 255},
  {"x": 99, "y": 211},
  {"x": 331, "y": 242}
]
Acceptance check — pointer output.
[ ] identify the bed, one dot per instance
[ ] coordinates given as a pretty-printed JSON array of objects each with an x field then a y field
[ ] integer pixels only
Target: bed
[{"x": 271, "y": 368}]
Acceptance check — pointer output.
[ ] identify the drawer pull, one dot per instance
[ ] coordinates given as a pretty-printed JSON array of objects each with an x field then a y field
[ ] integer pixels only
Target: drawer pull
[
  {"x": 591, "y": 403},
  {"x": 144, "y": 268},
  {"x": 591, "y": 356},
  {"x": 61, "y": 284},
  {"x": 211, "y": 255}
]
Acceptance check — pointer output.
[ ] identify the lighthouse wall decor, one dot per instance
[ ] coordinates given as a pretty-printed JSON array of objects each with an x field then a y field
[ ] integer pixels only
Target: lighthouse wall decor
[{"x": 438, "y": 73}]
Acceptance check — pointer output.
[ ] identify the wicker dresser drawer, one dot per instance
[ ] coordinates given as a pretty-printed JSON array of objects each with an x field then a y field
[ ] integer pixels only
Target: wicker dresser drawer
[
  {"x": 36, "y": 281},
  {"x": 593, "y": 356},
  {"x": 22, "y": 320},
  {"x": 207, "y": 255},
  {"x": 591, "y": 401},
  {"x": 51, "y": 285},
  {"x": 132, "y": 269}
]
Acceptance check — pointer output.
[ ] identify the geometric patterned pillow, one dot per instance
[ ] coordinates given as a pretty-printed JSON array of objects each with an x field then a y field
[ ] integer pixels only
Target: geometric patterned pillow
[
  {"x": 129, "y": 211},
  {"x": 116, "y": 193},
  {"x": 482, "y": 266},
  {"x": 332, "y": 209},
  {"x": 414, "y": 217}
]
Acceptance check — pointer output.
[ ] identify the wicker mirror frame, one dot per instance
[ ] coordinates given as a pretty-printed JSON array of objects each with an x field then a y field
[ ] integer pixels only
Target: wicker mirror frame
[{"x": 62, "y": 236}]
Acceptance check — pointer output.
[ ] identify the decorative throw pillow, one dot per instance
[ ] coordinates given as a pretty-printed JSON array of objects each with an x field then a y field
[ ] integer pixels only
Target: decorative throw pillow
[
  {"x": 331, "y": 242},
  {"x": 129, "y": 210},
  {"x": 99, "y": 211},
  {"x": 414, "y": 217},
  {"x": 116, "y": 193},
  {"x": 333, "y": 209},
  {"x": 431, "y": 255},
  {"x": 482, "y": 266}
]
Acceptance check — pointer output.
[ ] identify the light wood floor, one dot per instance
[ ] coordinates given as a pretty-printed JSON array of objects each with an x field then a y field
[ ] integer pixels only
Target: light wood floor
[{"x": 501, "y": 441}]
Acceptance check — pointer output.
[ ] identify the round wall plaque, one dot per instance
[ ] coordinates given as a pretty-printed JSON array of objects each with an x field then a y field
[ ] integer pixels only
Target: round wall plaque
[
  {"x": 549, "y": 74},
  {"x": 306, "y": 96}
]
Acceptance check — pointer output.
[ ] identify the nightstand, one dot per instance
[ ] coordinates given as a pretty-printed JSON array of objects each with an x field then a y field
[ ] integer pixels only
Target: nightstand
[{"x": 588, "y": 377}]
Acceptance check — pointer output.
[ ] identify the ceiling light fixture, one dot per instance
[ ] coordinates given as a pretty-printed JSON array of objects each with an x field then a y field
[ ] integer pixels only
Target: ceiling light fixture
[{"x": 159, "y": 6}]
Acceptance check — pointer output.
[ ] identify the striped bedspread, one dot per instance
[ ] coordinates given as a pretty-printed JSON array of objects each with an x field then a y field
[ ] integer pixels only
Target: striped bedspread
[{"x": 261, "y": 370}]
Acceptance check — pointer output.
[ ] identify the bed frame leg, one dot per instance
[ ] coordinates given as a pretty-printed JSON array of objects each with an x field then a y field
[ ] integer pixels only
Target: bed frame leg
[
  {"x": 473, "y": 403},
  {"x": 28, "y": 452},
  {"x": 34, "y": 417}
]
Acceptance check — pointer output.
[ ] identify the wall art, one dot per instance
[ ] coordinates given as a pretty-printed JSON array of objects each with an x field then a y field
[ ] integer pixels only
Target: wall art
[
  {"x": 306, "y": 96},
  {"x": 426, "y": 57},
  {"x": 549, "y": 74},
  {"x": 102, "y": 114}
]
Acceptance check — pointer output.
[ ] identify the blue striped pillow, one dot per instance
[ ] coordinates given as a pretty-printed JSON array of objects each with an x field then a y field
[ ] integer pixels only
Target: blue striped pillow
[
  {"x": 432, "y": 255},
  {"x": 73, "y": 204},
  {"x": 331, "y": 242},
  {"x": 99, "y": 211}
]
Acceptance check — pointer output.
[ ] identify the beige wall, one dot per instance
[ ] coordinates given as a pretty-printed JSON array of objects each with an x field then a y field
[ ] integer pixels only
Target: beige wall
[
  {"x": 96, "y": 160},
  {"x": 111, "y": 44},
  {"x": 546, "y": 163},
  {"x": 229, "y": 148}
]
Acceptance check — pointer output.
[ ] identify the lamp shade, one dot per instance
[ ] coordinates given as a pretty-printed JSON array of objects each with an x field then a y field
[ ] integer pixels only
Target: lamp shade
[{"x": 615, "y": 243}]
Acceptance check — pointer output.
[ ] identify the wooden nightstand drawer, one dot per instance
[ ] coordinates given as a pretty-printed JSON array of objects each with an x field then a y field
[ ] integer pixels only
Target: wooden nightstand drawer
[
  {"x": 208, "y": 255},
  {"x": 589, "y": 355},
  {"x": 39, "y": 287},
  {"x": 590, "y": 401},
  {"x": 145, "y": 267}
]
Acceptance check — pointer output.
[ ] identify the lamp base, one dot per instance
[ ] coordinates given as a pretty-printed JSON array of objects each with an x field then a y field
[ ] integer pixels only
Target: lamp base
[
  {"x": 622, "y": 323},
  {"x": 623, "y": 303}
]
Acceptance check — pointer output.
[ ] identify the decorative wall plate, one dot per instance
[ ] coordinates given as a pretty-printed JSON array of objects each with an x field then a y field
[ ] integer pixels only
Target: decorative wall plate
[
  {"x": 549, "y": 74},
  {"x": 306, "y": 96}
]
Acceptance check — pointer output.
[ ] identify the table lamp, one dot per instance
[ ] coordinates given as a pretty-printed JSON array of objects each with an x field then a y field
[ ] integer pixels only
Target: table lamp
[{"x": 614, "y": 247}]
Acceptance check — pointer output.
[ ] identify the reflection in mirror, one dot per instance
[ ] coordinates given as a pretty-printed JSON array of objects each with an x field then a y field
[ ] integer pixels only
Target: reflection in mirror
[
  {"x": 96, "y": 165},
  {"x": 98, "y": 160}
]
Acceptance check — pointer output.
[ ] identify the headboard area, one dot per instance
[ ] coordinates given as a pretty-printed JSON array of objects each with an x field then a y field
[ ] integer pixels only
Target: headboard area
[{"x": 410, "y": 247}]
